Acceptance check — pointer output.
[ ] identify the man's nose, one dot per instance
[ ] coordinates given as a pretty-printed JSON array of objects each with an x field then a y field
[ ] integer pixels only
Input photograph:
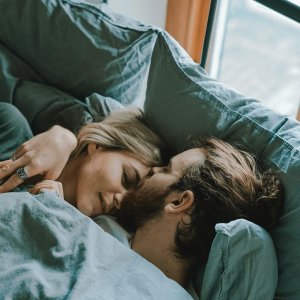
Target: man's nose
[{"x": 118, "y": 198}]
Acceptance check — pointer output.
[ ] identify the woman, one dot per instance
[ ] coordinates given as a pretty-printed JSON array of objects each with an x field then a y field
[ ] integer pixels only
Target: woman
[{"x": 110, "y": 158}]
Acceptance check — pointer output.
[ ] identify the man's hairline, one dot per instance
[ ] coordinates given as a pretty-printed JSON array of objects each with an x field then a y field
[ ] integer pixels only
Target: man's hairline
[{"x": 186, "y": 168}]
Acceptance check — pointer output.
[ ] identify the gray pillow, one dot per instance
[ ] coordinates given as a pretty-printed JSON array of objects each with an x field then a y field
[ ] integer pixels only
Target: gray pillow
[
  {"x": 42, "y": 105},
  {"x": 242, "y": 264},
  {"x": 78, "y": 47},
  {"x": 183, "y": 102},
  {"x": 13, "y": 70}
]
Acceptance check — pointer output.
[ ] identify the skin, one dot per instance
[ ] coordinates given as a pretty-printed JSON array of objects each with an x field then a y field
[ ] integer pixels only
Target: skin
[
  {"x": 97, "y": 180},
  {"x": 155, "y": 239},
  {"x": 105, "y": 174},
  {"x": 162, "y": 177},
  {"x": 56, "y": 145}
]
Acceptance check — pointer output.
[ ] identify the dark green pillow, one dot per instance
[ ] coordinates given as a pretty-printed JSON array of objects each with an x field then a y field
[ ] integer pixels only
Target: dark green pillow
[
  {"x": 78, "y": 47},
  {"x": 42, "y": 105}
]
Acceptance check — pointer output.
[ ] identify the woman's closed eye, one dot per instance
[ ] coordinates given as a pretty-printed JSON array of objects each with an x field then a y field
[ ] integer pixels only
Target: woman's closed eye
[
  {"x": 125, "y": 179},
  {"x": 128, "y": 180},
  {"x": 131, "y": 177}
]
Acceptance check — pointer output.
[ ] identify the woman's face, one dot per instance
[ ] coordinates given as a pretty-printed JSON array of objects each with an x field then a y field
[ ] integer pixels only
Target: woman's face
[{"x": 104, "y": 177}]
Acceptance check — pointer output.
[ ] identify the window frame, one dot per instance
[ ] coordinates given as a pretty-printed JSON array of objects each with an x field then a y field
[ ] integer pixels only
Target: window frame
[{"x": 283, "y": 7}]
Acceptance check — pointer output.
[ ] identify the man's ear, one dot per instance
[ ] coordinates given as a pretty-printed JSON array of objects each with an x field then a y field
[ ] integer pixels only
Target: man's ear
[
  {"x": 92, "y": 148},
  {"x": 179, "y": 202}
]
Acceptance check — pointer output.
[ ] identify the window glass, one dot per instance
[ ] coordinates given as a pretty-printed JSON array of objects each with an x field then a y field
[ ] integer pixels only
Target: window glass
[
  {"x": 257, "y": 51},
  {"x": 297, "y": 2}
]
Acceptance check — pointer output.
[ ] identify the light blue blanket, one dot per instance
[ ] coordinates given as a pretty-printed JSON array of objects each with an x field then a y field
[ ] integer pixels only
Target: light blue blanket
[{"x": 49, "y": 250}]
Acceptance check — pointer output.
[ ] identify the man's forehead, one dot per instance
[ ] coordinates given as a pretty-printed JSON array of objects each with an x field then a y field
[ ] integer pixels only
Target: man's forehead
[{"x": 180, "y": 161}]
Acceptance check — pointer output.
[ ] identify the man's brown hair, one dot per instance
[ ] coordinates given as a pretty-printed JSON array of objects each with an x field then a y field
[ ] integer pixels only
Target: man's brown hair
[{"x": 227, "y": 186}]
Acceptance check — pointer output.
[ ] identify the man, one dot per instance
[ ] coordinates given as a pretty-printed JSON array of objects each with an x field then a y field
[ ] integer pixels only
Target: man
[{"x": 175, "y": 210}]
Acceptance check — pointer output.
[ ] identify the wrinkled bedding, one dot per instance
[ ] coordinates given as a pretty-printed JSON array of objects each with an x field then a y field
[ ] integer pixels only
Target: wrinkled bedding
[{"x": 49, "y": 250}]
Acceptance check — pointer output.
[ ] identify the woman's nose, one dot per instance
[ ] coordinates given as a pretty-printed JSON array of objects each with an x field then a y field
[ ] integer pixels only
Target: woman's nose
[
  {"x": 118, "y": 199},
  {"x": 156, "y": 170}
]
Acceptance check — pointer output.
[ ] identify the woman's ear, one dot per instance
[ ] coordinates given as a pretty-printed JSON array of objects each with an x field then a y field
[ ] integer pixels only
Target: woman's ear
[
  {"x": 92, "y": 148},
  {"x": 178, "y": 202}
]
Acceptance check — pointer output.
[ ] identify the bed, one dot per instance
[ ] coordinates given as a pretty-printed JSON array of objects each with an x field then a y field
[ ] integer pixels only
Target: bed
[{"x": 70, "y": 63}]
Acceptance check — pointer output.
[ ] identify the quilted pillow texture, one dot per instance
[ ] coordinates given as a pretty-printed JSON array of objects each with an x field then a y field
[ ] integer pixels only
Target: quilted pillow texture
[
  {"x": 79, "y": 48},
  {"x": 183, "y": 102}
]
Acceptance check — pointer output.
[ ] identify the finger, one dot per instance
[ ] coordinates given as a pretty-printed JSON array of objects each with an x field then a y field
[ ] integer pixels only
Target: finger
[
  {"x": 51, "y": 185},
  {"x": 44, "y": 186},
  {"x": 35, "y": 190},
  {"x": 14, "y": 180},
  {"x": 11, "y": 168},
  {"x": 48, "y": 182},
  {"x": 5, "y": 162},
  {"x": 43, "y": 190},
  {"x": 19, "y": 152},
  {"x": 11, "y": 183},
  {"x": 52, "y": 189},
  {"x": 61, "y": 192},
  {"x": 32, "y": 191}
]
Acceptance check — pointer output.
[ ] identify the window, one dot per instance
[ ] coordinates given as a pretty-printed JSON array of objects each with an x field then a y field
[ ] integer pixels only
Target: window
[
  {"x": 296, "y": 2},
  {"x": 256, "y": 51}
]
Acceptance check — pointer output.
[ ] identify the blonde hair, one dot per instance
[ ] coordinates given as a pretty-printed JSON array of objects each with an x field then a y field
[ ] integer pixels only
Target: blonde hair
[{"x": 124, "y": 129}]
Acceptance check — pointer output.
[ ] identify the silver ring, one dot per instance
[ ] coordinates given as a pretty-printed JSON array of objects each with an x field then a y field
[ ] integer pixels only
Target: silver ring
[
  {"x": 22, "y": 173},
  {"x": 14, "y": 158}
]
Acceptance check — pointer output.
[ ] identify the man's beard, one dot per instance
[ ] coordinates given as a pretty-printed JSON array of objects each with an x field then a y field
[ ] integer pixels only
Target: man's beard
[{"x": 141, "y": 206}]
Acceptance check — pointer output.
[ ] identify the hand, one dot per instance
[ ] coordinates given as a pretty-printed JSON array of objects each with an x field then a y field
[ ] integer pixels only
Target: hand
[
  {"x": 45, "y": 154},
  {"x": 48, "y": 185}
]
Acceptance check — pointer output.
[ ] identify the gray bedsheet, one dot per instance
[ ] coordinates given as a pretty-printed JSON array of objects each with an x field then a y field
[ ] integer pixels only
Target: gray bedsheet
[{"x": 49, "y": 250}]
